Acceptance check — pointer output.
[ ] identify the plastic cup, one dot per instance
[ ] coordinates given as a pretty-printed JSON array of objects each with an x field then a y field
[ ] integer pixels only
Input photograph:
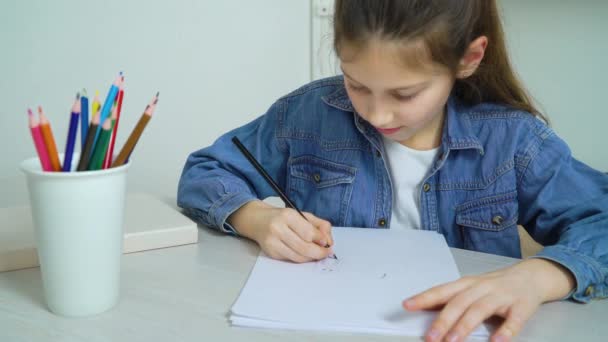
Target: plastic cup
[{"x": 78, "y": 221}]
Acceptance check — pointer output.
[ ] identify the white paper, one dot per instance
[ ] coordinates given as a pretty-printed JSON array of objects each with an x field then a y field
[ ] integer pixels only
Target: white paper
[{"x": 361, "y": 292}]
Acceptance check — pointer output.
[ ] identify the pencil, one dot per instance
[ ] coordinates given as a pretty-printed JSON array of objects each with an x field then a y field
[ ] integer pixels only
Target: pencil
[
  {"x": 116, "y": 118},
  {"x": 85, "y": 153},
  {"x": 107, "y": 105},
  {"x": 84, "y": 118},
  {"x": 96, "y": 104},
  {"x": 49, "y": 140},
  {"x": 72, "y": 131},
  {"x": 268, "y": 179},
  {"x": 99, "y": 151},
  {"x": 129, "y": 146},
  {"x": 45, "y": 162}
]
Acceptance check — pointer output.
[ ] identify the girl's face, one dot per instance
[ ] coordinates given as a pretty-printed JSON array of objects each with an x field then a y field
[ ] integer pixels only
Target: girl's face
[{"x": 405, "y": 104}]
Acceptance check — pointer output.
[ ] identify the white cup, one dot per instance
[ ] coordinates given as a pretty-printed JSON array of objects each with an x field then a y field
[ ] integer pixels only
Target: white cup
[{"x": 78, "y": 220}]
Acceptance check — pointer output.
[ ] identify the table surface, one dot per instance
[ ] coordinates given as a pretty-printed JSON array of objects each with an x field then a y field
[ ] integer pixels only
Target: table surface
[{"x": 185, "y": 294}]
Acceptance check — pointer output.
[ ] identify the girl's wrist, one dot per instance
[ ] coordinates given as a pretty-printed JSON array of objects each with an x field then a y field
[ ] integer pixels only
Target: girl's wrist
[{"x": 553, "y": 280}]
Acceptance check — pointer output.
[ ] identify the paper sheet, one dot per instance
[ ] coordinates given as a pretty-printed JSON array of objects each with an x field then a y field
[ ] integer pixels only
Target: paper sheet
[{"x": 361, "y": 292}]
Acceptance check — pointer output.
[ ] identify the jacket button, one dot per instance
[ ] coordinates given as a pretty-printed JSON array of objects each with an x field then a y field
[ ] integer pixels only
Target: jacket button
[
  {"x": 497, "y": 220},
  {"x": 589, "y": 291},
  {"x": 317, "y": 177},
  {"x": 426, "y": 187},
  {"x": 382, "y": 222}
]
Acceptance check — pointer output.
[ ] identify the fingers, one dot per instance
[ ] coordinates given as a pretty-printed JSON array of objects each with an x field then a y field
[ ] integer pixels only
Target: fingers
[
  {"x": 475, "y": 314},
  {"x": 519, "y": 313},
  {"x": 280, "y": 251},
  {"x": 322, "y": 225},
  {"x": 305, "y": 230},
  {"x": 437, "y": 295},
  {"x": 453, "y": 311},
  {"x": 307, "y": 249}
]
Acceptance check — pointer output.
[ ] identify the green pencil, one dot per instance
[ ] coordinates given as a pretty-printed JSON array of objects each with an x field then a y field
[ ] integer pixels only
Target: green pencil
[{"x": 99, "y": 152}]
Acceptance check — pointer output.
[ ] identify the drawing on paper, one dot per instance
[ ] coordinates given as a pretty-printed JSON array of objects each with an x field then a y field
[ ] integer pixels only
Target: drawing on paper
[{"x": 328, "y": 265}]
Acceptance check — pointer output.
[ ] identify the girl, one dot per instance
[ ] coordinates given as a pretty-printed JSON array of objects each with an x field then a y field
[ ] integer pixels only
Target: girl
[{"x": 428, "y": 129}]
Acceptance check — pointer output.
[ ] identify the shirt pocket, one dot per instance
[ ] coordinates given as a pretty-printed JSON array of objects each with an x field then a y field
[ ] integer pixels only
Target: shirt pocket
[
  {"x": 489, "y": 224},
  {"x": 321, "y": 187}
]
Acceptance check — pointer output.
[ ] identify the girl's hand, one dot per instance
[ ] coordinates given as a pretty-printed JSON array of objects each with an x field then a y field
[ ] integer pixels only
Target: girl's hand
[
  {"x": 513, "y": 293},
  {"x": 282, "y": 233}
]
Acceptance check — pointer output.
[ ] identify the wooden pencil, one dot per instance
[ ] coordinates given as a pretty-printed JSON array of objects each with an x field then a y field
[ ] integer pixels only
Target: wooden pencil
[
  {"x": 129, "y": 146},
  {"x": 49, "y": 140},
  {"x": 85, "y": 154},
  {"x": 43, "y": 155}
]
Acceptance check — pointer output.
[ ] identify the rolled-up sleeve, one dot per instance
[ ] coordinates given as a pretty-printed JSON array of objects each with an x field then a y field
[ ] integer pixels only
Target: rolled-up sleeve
[{"x": 564, "y": 206}]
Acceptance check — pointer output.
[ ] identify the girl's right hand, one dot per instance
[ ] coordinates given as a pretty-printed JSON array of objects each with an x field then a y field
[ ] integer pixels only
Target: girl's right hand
[{"x": 282, "y": 233}]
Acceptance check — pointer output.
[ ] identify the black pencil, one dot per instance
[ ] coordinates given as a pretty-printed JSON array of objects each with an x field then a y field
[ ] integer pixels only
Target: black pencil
[
  {"x": 268, "y": 179},
  {"x": 85, "y": 154}
]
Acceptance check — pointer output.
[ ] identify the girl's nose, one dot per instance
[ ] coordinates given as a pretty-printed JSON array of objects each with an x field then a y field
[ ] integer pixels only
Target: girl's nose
[{"x": 378, "y": 115}]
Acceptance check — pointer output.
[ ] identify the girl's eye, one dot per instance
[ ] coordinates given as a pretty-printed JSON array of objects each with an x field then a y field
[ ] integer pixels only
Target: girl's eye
[
  {"x": 400, "y": 97},
  {"x": 357, "y": 89}
]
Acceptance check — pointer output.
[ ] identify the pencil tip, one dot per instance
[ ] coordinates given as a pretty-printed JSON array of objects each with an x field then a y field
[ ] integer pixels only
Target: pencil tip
[
  {"x": 78, "y": 96},
  {"x": 39, "y": 109},
  {"x": 84, "y": 92},
  {"x": 29, "y": 112}
]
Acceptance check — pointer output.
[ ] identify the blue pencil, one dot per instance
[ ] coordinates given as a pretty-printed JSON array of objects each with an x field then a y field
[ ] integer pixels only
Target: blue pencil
[
  {"x": 73, "y": 130},
  {"x": 84, "y": 118},
  {"x": 107, "y": 105}
]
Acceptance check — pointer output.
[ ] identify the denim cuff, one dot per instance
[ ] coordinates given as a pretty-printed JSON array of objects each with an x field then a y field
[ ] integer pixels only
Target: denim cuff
[
  {"x": 224, "y": 207},
  {"x": 588, "y": 274}
]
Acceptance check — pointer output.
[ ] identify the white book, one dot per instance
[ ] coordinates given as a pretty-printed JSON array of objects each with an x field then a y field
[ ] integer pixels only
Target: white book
[
  {"x": 360, "y": 292},
  {"x": 149, "y": 224}
]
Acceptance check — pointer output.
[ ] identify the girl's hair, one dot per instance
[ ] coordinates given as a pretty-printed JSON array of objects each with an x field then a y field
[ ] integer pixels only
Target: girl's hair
[{"x": 445, "y": 28}]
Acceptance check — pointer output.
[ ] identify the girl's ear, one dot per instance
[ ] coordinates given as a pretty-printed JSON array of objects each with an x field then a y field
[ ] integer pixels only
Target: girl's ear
[{"x": 472, "y": 57}]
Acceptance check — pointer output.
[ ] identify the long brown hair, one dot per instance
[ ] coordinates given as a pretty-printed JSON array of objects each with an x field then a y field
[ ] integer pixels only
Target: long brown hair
[{"x": 446, "y": 28}]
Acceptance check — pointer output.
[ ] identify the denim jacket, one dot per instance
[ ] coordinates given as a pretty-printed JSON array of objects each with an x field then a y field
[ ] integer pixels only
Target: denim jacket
[{"x": 496, "y": 167}]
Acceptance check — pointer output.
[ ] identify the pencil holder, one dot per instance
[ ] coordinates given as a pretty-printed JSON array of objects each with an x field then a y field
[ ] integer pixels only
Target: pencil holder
[{"x": 78, "y": 220}]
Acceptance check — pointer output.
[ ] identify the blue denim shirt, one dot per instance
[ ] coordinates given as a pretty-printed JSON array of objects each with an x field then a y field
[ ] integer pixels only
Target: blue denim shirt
[{"x": 497, "y": 167}]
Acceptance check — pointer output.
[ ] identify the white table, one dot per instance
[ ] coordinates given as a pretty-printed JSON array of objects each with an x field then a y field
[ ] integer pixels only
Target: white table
[{"x": 184, "y": 294}]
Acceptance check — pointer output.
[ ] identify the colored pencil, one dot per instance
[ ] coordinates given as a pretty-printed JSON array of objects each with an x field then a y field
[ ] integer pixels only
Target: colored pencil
[
  {"x": 129, "y": 146},
  {"x": 96, "y": 104},
  {"x": 49, "y": 140},
  {"x": 84, "y": 118},
  {"x": 99, "y": 152},
  {"x": 107, "y": 105},
  {"x": 85, "y": 154},
  {"x": 72, "y": 131},
  {"x": 45, "y": 162},
  {"x": 116, "y": 118}
]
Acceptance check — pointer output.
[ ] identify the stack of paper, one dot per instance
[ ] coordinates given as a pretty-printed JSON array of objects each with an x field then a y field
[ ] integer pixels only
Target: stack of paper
[{"x": 360, "y": 292}]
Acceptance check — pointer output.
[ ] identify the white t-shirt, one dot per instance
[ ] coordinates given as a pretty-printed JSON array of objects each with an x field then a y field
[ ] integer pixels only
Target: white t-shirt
[{"x": 408, "y": 169}]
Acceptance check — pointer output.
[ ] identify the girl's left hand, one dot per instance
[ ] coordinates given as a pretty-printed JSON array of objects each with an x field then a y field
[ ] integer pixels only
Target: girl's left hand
[{"x": 513, "y": 293}]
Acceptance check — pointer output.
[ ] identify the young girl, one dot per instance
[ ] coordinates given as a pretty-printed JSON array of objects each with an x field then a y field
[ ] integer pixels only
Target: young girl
[{"x": 428, "y": 129}]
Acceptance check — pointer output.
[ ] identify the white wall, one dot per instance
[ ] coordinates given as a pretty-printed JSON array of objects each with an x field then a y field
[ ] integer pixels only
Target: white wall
[
  {"x": 217, "y": 64},
  {"x": 559, "y": 49}
]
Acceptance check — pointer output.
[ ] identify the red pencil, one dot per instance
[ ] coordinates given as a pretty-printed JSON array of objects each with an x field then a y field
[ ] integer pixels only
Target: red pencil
[{"x": 45, "y": 161}]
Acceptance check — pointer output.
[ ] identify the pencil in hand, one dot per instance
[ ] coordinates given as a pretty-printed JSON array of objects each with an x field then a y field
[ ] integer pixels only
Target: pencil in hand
[
  {"x": 269, "y": 180},
  {"x": 129, "y": 146}
]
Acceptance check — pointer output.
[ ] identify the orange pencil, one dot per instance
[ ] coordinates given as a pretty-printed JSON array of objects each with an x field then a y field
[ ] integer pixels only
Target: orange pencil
[
  {"x": 128, "y": 147},
  {"x": 49, "y": 140}
]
